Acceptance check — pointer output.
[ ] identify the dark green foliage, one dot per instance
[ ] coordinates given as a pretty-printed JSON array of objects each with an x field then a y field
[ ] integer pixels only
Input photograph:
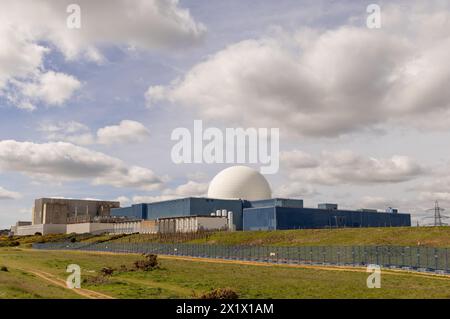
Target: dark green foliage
[
  {"x": 221, "y": 293},
  {"x": 107, "y": 271},
  {"x": 149, "y": 263}
]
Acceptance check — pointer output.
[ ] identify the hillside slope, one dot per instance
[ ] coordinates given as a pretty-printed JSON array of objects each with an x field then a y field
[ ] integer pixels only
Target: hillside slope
[{"x": 404, "y": 236}]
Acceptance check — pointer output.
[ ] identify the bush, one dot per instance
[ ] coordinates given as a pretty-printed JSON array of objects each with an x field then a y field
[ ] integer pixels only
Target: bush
[
  {"x": 123, "y": 268},
  {"x": 221, "y": 293},
  {"x": 149, "y": 263},
  {"x": 4, "y": 268},
  {"x": 107, "y": 271},
  {"x": 95, "y": 280},
  {"x": 8, "y": 243},
  {"x": 38, "y": 234}
]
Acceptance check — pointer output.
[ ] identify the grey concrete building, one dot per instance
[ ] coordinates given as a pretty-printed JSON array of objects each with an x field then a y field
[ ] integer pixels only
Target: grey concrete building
[{"x": 59, "y": 210}]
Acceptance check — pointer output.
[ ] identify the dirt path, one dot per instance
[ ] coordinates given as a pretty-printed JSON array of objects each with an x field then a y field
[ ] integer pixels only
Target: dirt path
[
  {"x": 399, "y": 272},
  {"x": 61, "y": 283}
]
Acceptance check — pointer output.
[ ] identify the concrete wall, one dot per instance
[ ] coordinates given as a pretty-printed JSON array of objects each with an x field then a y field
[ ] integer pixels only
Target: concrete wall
[
  {"x": 91, "y": 228},
  {"x": 191, "y": 224},
  {"x": 56, "y": 211},
  {"x": 148, "y": 227},
  {"x": 44, "y": 229}
]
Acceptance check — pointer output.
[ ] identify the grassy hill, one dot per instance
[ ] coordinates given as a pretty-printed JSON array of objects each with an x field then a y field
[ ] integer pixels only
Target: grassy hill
[
  {"x": 404, "y": 236},
  {"x": 190, "y": 279}
]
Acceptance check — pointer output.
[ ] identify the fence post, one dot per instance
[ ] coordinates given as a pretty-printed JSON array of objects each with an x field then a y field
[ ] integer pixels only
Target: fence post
[
  {"x": 389, "y": 256},
  {"x": 418, "y": 258},
  {"x": 403, "y": 257},
  {"x": 353, "y": 255},
  {"x": 376, "y": 253},
  {"x": 446, "y": 259},
  {"x": 436, "y": 264}
]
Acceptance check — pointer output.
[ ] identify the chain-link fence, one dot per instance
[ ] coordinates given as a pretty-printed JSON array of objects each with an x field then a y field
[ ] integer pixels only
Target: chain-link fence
[{"x": 412, "y": 258}]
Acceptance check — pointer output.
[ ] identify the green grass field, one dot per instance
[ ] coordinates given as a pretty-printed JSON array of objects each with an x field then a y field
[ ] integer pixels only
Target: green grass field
[
  {"x": 190, "y": 279},
  {"x": 403, "y": 236}
]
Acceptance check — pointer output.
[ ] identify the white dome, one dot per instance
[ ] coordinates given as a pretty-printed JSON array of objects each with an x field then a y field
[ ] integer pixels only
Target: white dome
[{"x": 239, "y": 182}]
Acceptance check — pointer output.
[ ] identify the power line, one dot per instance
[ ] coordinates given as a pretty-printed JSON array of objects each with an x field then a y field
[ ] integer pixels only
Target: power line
[{"x": 438, "y": 217}]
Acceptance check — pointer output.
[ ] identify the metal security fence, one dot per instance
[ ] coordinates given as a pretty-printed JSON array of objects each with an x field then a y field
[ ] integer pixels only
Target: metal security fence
[{"x": 425, "y": 259}]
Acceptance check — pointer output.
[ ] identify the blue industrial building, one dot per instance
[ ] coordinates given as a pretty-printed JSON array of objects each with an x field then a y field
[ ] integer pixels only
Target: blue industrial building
[
  {"x": 191, "y": 206},
  {"x": 269, "y": 214},
  {"x": 278, "y": 218}
]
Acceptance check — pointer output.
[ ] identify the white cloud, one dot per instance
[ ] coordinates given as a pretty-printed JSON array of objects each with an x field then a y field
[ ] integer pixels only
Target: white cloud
[
  {"x": 65, "y": 161},
  {"x": 29, "y": 28},
  {"x": 141, "y": 24},
  {"x": 52, "y": 88},
  {"x": 72, "y": 131},
  {"x": 6, "y": 194},
  {"x": 346, "y": 167},
  {"x": 299, "y": 159},
  {"x": 296, "y": 190},
  {"x": 376, "y": 202},
  {"x": 326, "y": 83},
  {"x": 123, "y": 200},
  {"x": 436, "y": 187},
  {"x": 127, "y": 131}
]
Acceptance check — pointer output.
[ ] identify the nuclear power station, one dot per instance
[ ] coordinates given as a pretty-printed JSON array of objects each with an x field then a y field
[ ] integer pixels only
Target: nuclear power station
[{"x": 239, "y": 198}]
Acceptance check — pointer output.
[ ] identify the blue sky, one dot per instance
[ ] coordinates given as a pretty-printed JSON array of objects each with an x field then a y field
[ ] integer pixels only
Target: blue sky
[{"x": 363, "y": 113}]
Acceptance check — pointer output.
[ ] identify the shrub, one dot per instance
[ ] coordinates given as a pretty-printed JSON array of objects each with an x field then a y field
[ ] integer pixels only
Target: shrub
[
  {"x": 220, "y": 293},
  {"x": 107, "y": 271},
  {"x": 149, "y": 263},
  {"x": 38, "y": 234},
  {"x": 123, "y": 268},
  {"x": 4, "y": 268},
  {"x": 95, "y": 280},
  {"x": 13, "y": 243}
]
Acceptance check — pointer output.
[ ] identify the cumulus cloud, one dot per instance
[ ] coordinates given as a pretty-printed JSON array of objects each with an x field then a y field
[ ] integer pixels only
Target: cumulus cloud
[
  {"x": 436, "y": 187},
  {"x": 327, "y": 83},
  {"x": 52, "y": 88},
  {"x": 6, "y": 194},
  {"x": 126, "y": 131},
  {"x": 123, "y": 200},
  {"x": 65, "y": 161},
  {"x": 189, "y": 189},
  {"x": 296, "y": 190},
  {"x": 72, "y": 131},
  {"x": 30, "y": 29},
  {"x": 346, "y": 167}
]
